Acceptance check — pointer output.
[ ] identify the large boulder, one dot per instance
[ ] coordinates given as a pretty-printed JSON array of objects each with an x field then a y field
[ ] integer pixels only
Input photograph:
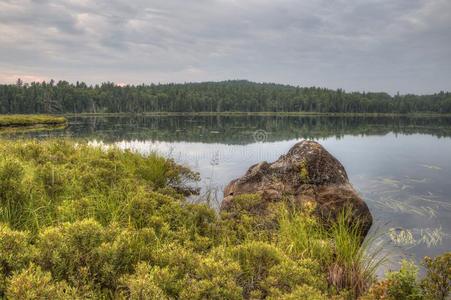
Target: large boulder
[{"x": 307, "y": 173}]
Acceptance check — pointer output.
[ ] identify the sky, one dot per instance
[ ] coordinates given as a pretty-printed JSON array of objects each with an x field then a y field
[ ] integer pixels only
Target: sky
[{"x": 358, "y": 45}]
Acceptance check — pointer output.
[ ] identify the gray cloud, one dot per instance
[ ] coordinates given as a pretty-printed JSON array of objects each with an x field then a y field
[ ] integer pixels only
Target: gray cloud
[{"x": 386, "y": 45}]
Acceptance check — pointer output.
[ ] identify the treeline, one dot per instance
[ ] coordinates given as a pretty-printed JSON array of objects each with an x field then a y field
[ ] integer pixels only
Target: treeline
[{"x": 226, "y": 96}]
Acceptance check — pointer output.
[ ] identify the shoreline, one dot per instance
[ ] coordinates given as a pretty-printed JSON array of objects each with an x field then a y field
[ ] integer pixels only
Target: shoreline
[
  {"x": 19, "y": 121},
  {"x": 258, "y": 114}
]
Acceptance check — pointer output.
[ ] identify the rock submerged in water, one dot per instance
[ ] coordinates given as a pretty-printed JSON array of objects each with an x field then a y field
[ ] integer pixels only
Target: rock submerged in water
[{"x": 307, "y": 173}]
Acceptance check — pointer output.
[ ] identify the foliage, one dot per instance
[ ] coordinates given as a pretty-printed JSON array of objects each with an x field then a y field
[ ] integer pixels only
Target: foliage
[
  {"x": 437, "y": 282},
  {"x": 248, "y": 217},
  {"x": 304, "y": 292},
  {"x": 15, "y": 253},
  {"x": 64, "y": 181},
  {"x": 33, "y": 283},
  {"x": 145, "y": 283},
  {"x": 404, "y": 284},
  {"x": 226, "y": 96},
  {"x": 82, "y": 221}
]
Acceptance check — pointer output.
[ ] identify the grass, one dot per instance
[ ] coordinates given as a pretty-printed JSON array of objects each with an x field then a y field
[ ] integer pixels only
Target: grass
[
  {"x": 30, "y": 120},
  {"x": 78, "y": 221},
  {"x": 349, "y": 263},
  {"x": 41, "y": 182}
]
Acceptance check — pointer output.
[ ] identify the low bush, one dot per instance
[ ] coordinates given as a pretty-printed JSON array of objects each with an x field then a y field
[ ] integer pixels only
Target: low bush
[
  {"x": 15, "y": 253},
  {"x": 437, "y": 282},
  {"x": 33, "y": 283},
  {"x": 81, "y": 221},
  {"x": 145, "y": 283},
  {"x": 404, "y": 284}
]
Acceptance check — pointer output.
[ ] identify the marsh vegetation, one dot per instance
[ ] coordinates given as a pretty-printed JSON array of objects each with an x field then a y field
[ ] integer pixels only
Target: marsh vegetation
[
  {"x": 31, "y": 121},
  {"x": 79, "y": 221}
]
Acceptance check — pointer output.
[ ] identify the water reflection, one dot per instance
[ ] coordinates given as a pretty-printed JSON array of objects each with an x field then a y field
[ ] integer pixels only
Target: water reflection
[{"x": 242, "y": 129}]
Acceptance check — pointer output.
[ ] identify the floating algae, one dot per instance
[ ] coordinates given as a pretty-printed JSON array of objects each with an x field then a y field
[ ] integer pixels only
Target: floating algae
[
  {"x": 398, "y": 206},
  {"x": 431, "y": 237},
  {"x": 391, "y": 182},
  {"x": 416, "y": 180},
  {"x": 431, "y": 167},
  {"x": 401, "y": 237}
]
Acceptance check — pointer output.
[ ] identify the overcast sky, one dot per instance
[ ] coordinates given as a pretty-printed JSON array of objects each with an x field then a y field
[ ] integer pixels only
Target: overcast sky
[{"x": 377, "y": 45}]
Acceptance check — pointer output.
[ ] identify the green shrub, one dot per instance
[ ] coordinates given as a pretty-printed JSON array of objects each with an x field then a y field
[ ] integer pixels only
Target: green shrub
[
  {"x": 69, "y": 250},
  {"x": 182, "y": 263},
  {"x": 214, "y": 278},
  {"x": 304, "y": 292},
  {"x": 181, "y": 274},
  {"x": 267, "y": 271},
  {"x": 122, "y": 252},
  {"x": 287, "y": 276},
  {"x": 15, "y": 253},
  {"x": 41, "y": 182},
  {"x": 33, "y": 283},
  {"x": 402, "y": 284},
  {"x": 86, "y": 253},
  {"x": 437, "y": 282},
  {"x": 145, "y": 283},
  {"x": 248, "y": 217}
]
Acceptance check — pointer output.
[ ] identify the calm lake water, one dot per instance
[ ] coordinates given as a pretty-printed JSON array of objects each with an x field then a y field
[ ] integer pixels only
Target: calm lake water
[{"x": 401, "y": 166}]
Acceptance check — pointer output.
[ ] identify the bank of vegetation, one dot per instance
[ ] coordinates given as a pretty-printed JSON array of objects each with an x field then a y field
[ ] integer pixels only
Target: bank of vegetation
[
  {"x": 78, "y": 221},
  {"x": 31, "y": 120},
  {"x": 208, "y": 97}
]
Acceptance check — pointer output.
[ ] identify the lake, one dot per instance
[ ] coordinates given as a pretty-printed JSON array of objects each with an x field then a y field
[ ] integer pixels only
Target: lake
[{"x": 400, "y": 165}]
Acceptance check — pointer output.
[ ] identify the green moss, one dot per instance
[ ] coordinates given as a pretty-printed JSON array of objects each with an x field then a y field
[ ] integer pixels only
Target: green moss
[{"x": 303, "y": 173}]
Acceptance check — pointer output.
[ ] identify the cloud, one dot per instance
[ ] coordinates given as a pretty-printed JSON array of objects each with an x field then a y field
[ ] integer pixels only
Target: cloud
[{"x": 357, "y": 45}]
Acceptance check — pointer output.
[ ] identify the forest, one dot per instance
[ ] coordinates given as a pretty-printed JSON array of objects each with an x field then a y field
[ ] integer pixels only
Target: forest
[{"x": 226, "y": 96}]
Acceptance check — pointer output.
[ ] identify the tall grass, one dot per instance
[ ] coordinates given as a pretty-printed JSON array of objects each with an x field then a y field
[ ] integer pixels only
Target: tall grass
[
  {"x": 349, "y": 261},
  {"x": 46, "y": 182}
]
